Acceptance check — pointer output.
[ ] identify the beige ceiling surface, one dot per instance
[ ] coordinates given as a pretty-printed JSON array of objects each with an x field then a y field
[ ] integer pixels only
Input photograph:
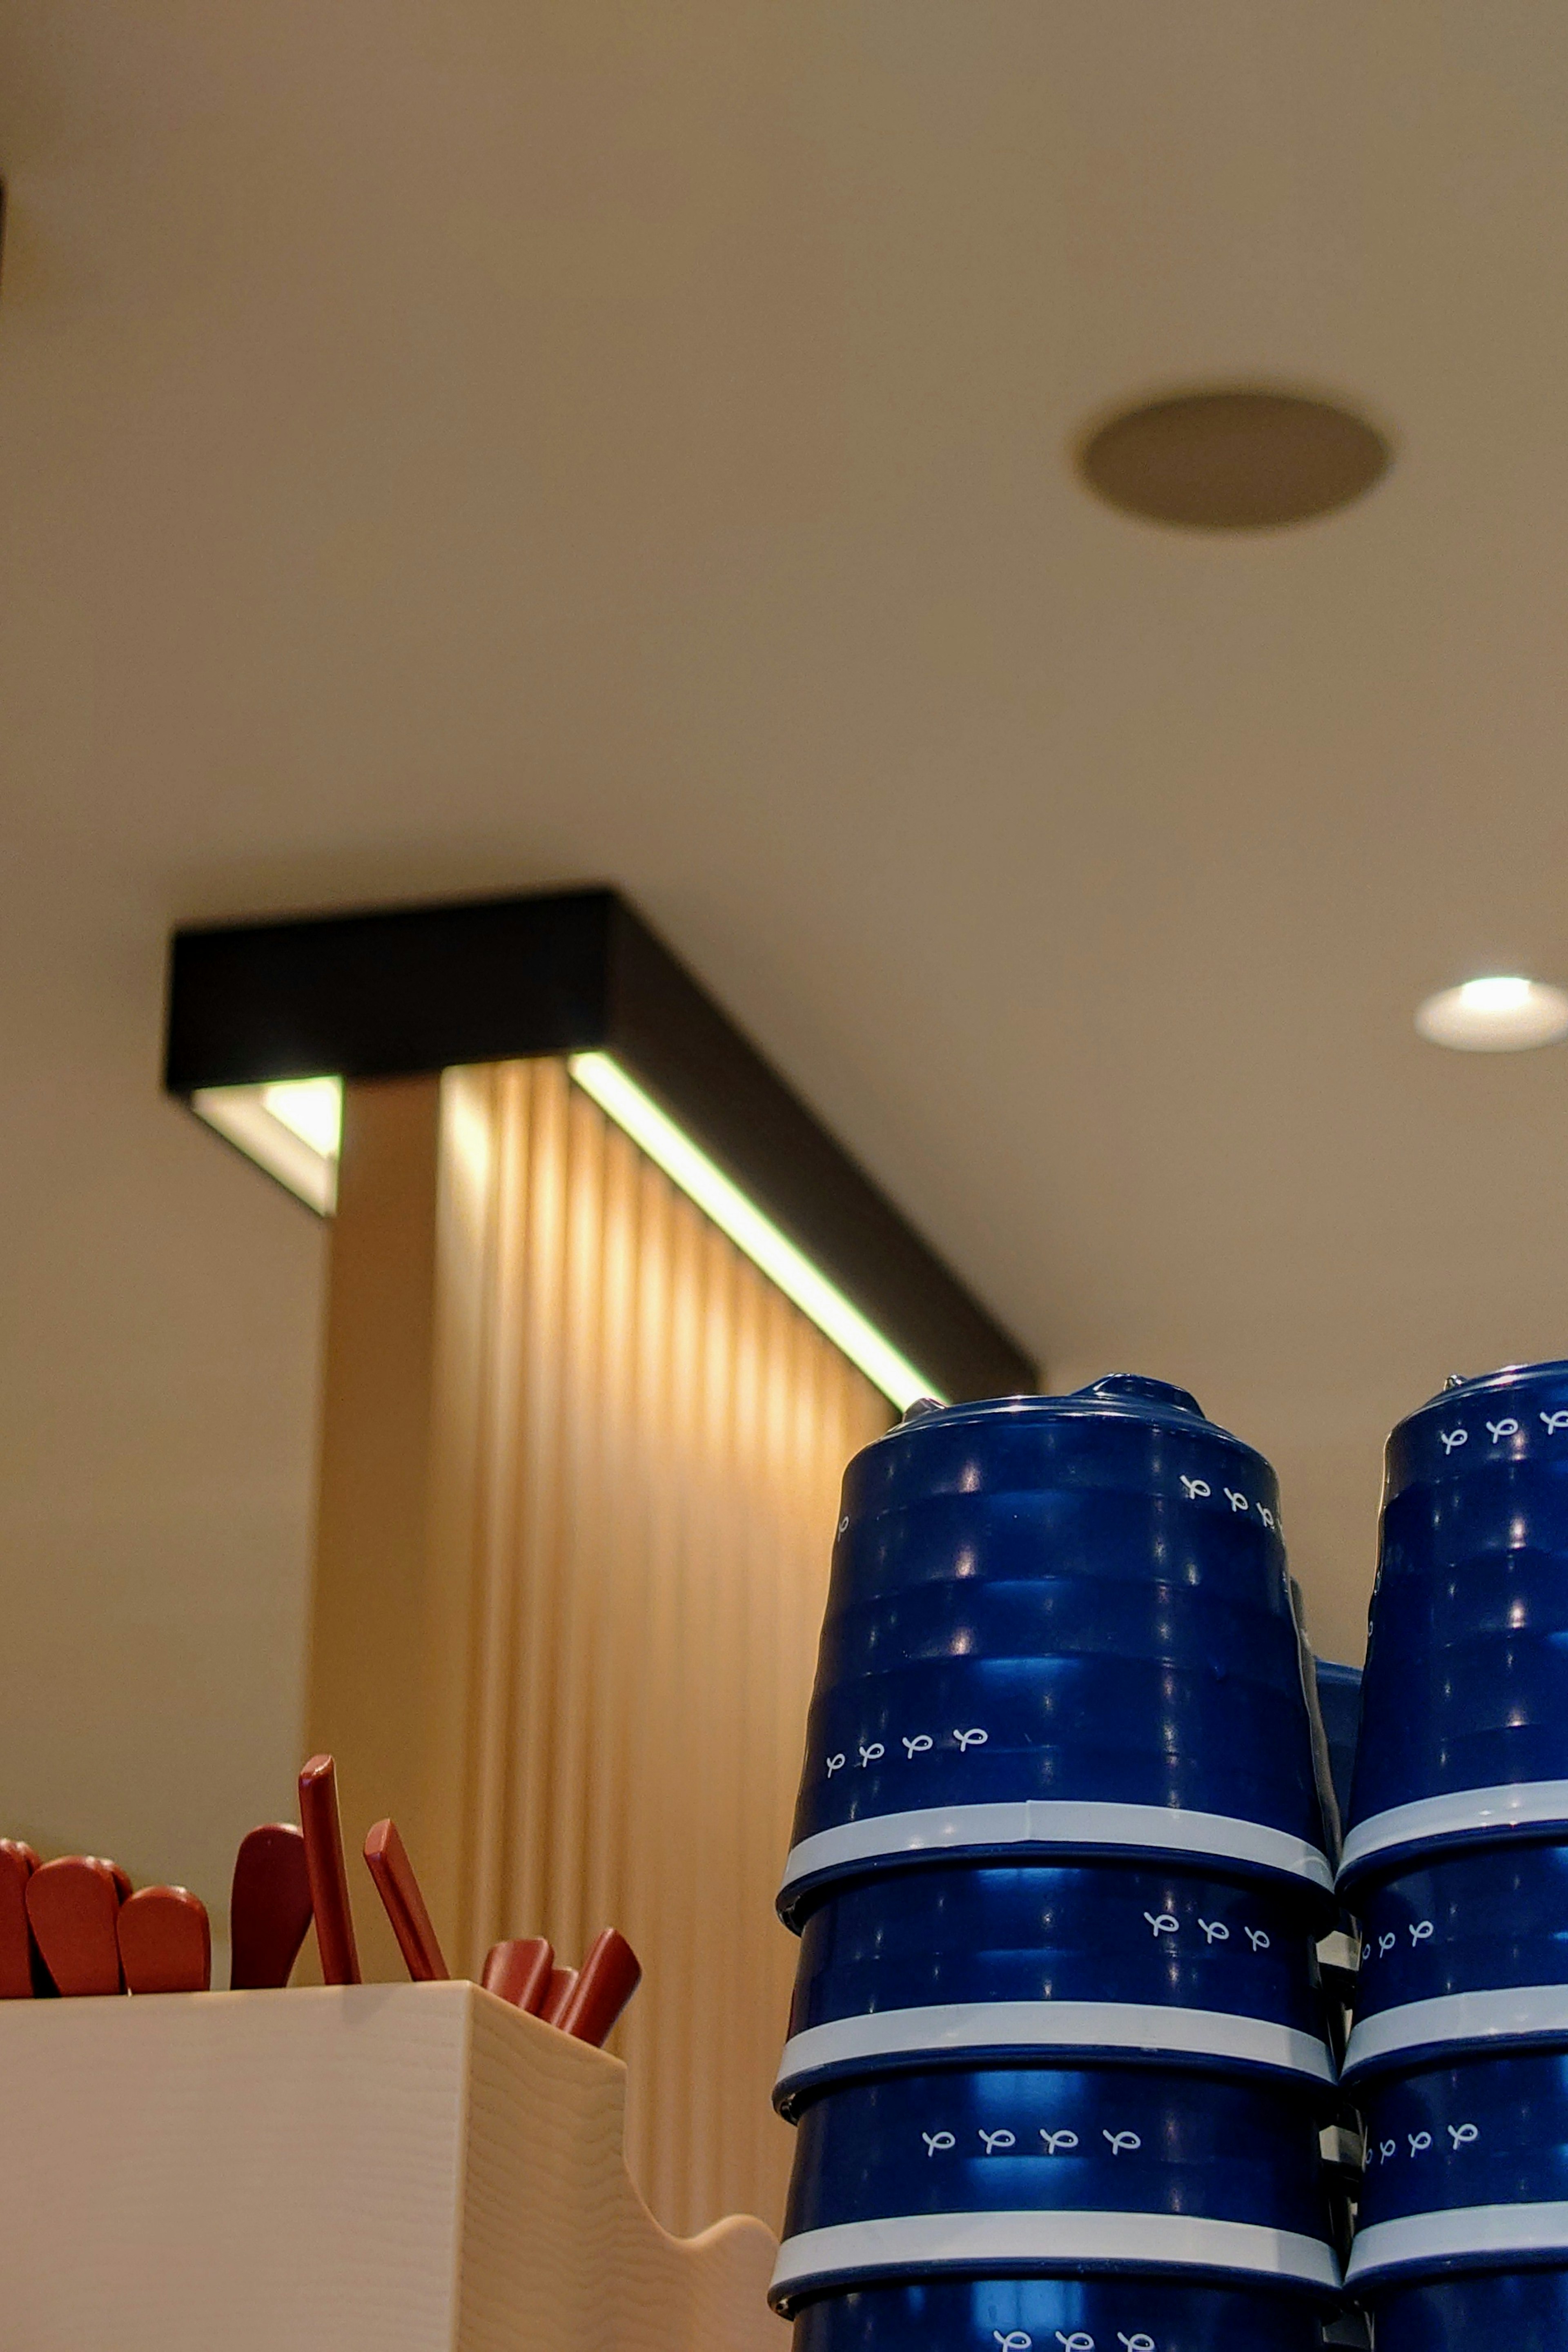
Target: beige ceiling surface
[{"x": 462, "y": 445}]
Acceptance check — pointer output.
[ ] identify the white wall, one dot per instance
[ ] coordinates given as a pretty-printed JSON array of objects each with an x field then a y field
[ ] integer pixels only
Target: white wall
[{"x": 161, "y": 1311}]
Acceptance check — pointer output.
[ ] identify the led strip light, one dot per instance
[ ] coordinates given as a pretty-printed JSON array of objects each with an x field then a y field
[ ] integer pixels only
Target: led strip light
[{"x": 671, "y": 1148}]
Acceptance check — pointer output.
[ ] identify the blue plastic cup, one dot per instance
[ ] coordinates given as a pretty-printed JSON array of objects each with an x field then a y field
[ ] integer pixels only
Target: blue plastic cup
[
  {"x": 1339, "y": 1704},
  {"x": 1464, "y": 1725},
  {"x": 1466, "y": 2168},
  {"x": 1495, "y": 2311},
  {"x": 1466, "y": 1951},
  {"x": 990, "y": 1962},
  {"x": 1047, "y": 2167},
  {"x": 1060, "y": 1625},
  {"x": 1063, "y": 2314}
]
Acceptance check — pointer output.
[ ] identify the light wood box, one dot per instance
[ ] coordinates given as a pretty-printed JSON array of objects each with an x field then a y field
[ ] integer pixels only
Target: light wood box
[{"x": 369, "y": 2168}]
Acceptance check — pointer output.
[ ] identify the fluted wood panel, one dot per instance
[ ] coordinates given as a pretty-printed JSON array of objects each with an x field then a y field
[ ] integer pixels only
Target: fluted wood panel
[{"x": 633, "y": 1473}]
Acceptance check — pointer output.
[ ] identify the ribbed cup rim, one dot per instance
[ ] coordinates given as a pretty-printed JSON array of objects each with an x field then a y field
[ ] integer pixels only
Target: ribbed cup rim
[
  {"x": 1055, "y": 1826},
  {"x": 943, "y": 2031},
  {"x": 928, "y": 2245},
  {"x": 1485, "y": 2235}
]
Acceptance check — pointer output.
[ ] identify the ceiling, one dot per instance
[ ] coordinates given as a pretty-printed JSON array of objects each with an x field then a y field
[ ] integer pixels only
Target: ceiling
[{"x": 477, "y": 445}]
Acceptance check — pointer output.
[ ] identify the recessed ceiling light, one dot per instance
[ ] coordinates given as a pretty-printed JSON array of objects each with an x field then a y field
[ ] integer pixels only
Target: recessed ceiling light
[
  {"x": 1499, "y": 1015},
  {"x": 1232, "y": 460}
]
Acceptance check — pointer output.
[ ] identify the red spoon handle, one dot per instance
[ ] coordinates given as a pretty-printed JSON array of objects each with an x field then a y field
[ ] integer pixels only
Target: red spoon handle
[
  {"x": 269, "y": 1906},
  {"x": 17, "y": 1863},
  {"x": 387, "y": 1860},
  {"x": 520, "y": 1971},
  {"x": 329, "y": 1879},
  {"x": 165, "y": 1943},
  {"x": 72, "y": 1905},
  {"x": 557, "y": 1993},
  {"x": 607, "y": 1981}
]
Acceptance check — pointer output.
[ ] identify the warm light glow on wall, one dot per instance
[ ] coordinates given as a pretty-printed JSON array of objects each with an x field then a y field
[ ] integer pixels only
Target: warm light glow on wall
[{"x": 668, "y": 1146}]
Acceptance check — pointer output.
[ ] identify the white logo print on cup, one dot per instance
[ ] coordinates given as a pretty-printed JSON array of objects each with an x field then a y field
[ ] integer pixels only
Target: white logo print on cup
[
  {"x": 1554, "y": 1423},
  {"x": 1017, "y": 2340},
  {"x": 1385, "y": 2150},
  {"x": 1214, "y": 1931},
  {"x": 1420, "y": 1931},
  {"x": 1057, "y": 2142},
  {"x": 914, "y": 1744},
  {"x": 1197, "y": 1489}
]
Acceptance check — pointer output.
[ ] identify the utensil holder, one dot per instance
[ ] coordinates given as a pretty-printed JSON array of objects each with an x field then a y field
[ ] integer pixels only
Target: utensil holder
[{"x": 357, "y": 2168}]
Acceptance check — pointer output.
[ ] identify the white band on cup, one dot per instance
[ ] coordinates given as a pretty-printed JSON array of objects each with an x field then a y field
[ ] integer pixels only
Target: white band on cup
[
  {"x": 1464, "y": 2231},
  {"x": 1514, "y": 2014},
  {"x": 915, "y": 2244},
  {"x": 954, "y": 2026},
  {"x": 1516, "y": 1804},
  {"x": 1059, "y": 1821}
]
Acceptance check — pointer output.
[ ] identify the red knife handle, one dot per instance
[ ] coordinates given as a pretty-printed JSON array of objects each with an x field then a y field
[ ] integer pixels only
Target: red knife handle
[
  {"x": 520, "y": 1971},
  {"x": 606, "y": 1982},
  {"x": 387, "y": 1858},
  {"x": 329, "y": 1879}
]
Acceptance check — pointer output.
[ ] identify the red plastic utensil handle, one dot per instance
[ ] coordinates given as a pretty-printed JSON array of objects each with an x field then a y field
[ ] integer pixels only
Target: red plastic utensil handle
[
  {"x": 268, "y": 1907},
  {"x": 72, "y": 1905},
  {"x": 165, "y": 1943},
  {"x": 121, "y": 1878},
  {"x": 520, "y": 1971},
  {"x": 557, "y": 1993},
  {"x": 606, "y": 1982},
  {"x": 386, "y": 1858},
  {"x": 17, "y": 1863},
  {"x": 329, "y": 1879}
]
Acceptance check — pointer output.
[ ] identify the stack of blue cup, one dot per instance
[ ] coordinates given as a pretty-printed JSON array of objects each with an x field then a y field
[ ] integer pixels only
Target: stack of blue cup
[
  {"x": 1456, "y": 1865},
  {"x": 1058, "y": 2053}
]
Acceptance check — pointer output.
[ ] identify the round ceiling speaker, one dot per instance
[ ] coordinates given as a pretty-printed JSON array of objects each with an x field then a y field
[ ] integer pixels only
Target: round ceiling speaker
[{"x": 1234, "y": 461}]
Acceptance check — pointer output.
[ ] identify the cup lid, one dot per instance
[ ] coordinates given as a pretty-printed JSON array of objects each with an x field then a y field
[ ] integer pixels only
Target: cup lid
[{"x": 1123, "y": 1396}]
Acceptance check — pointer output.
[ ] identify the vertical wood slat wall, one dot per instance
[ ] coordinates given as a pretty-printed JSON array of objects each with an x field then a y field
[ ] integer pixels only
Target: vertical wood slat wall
[{"x": 625, "y": 1508}]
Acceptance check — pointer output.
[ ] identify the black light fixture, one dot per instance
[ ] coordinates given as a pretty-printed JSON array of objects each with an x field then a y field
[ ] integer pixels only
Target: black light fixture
[{"x": 266, "y": 1020}]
